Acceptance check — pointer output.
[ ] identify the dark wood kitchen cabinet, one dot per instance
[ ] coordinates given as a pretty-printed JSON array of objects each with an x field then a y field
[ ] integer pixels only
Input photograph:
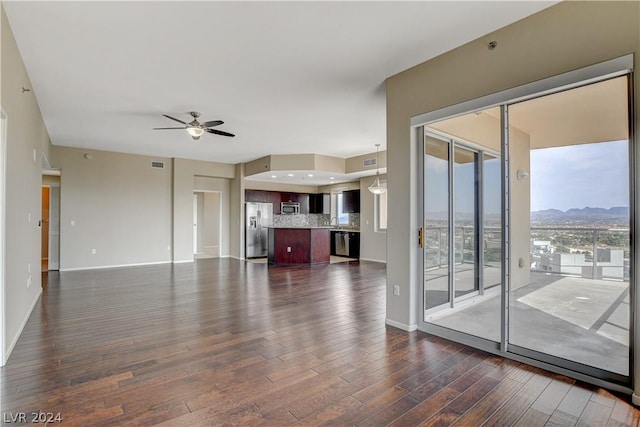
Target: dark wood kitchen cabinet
[
  {"x": 301, "y": 198},
  {"x": 351, "y": 201},
  {"x": 320, "y": 203},
  {"x": 255, "y": 196},
  {"x": 262, "y": 196}
]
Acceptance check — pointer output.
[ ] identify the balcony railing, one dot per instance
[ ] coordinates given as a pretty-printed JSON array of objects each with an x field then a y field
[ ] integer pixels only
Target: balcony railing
[
  {"x": 556, "y": 250},
  {"x": 596, "y": 253}
]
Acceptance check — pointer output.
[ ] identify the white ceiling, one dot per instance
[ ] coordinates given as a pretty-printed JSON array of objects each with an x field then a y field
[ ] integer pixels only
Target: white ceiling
[{"x": 285, "y": 77}]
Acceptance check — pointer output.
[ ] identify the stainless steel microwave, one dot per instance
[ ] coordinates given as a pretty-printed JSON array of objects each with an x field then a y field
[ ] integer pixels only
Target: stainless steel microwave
[{"x": 289, "y": 208}]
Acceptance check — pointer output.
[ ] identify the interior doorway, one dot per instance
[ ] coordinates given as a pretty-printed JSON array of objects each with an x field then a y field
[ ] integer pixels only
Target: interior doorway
[
  {"x": 207, "y": 223},
  {"x": 50, "y": 246},
  {"x": 44, "y": 230}
]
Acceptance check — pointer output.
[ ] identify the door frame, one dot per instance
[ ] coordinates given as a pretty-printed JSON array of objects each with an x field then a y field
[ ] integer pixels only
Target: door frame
[
  {"x": 617, "y": 67},
  {"x": 219, "y": 225},
  {"x": 3, "y": 156}
]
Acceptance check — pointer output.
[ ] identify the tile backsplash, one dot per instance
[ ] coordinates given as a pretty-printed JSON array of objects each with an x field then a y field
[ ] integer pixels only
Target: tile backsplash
[{"x": 311, "y": 220}]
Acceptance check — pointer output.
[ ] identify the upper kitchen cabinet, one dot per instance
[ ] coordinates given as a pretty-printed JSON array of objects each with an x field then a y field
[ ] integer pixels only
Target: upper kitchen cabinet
[
  {"x": 301, "y": 198},
  {"x": 255, "y": 196},
  {"x": 320, "y": 204},
  {"x": 262, "y": 196},
  {"x": 351, "y": 201}
]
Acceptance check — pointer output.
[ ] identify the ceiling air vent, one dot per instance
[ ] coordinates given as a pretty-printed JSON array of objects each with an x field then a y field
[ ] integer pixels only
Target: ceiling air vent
[
  {"x": 369, "y": 162},
  {"x": 157, "y": 165}
]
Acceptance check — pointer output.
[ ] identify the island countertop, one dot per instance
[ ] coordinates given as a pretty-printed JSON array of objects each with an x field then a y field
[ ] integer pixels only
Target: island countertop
[{"x": 314, "y": 227}]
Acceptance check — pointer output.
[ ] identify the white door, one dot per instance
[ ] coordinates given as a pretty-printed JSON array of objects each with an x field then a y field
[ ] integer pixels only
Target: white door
[{"x": 195, "y": 223}]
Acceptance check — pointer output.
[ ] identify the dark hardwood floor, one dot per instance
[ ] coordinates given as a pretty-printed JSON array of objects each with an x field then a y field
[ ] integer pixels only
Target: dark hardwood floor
[{"x": 228, "y": 342}]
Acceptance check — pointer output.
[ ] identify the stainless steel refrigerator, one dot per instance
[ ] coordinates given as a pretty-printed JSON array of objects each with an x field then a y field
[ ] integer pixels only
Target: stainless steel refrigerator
[{"x": 258, "y": 217}]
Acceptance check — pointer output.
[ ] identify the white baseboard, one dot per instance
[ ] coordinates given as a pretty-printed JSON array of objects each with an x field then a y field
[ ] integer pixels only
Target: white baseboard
[
  {"x": 635, "y": 399},
  {"x": 182, "y": 261},
  {"x": 9, "y": 349},
  {"x": 100, "y": 267},
  {"x": 403, "y": 326},
  {"x": 373, "y": 260}
]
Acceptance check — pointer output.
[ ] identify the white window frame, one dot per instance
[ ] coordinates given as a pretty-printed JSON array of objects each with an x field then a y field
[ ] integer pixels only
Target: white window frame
[{"x": 380, "y": 212}]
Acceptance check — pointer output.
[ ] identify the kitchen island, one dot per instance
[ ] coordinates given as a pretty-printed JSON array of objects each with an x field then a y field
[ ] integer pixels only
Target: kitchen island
[{"x": 299, "y": 245}]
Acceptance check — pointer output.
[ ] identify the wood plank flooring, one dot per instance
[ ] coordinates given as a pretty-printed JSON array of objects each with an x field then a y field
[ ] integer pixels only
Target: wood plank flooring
[{"x": 226, "y": 342}]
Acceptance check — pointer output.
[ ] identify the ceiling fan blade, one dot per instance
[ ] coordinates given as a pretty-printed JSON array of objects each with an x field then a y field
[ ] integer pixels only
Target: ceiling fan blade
[
  {"x": 219, "y": 132},
  {"x": 212, "y": 123},
  {"x": 173, "y": 118},
  {"x": 166, "y": 128}
]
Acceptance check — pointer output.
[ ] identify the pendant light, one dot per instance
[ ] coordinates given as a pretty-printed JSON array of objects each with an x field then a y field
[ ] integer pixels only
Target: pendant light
[{"x": 378, "y": 187}]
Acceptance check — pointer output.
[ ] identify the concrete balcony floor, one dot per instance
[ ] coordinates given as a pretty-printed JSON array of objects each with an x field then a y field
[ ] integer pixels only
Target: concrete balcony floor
[{"x": 574, "y": 318}]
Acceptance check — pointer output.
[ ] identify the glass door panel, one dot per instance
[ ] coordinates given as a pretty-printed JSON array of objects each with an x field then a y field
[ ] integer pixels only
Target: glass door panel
[
  {"x": 466, "y": 221},
  {"x": 570, "y": 229},
  {"x": 463, "y": 223},
  {"x": 436, "y": 223}
]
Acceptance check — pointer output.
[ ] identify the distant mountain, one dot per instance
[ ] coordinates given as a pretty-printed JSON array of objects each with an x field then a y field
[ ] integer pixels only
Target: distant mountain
[
  {"x": 586, "y": 214},
  {"x": 619, "y": 210},
  {"x": 587, "y": 211}
]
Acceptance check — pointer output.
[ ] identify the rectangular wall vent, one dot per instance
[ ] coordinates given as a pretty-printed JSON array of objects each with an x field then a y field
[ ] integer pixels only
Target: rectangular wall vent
[
  {"x": 369, "y": 162},
  {"x": 157, "y": 165}
]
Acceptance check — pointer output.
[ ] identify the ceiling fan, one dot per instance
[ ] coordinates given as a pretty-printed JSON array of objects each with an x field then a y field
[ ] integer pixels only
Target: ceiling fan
[{"x": 195, "y": 128}]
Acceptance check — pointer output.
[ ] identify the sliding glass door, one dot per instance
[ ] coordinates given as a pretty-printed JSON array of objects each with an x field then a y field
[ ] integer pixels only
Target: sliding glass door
[
  {"x": 527, "y": 225},
  {"x": 462, "y": 228}
]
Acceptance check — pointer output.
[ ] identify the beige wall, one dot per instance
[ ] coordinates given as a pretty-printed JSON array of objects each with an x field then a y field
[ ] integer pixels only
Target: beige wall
[
  {"x": 373, "y": 244},
  {"x": 236, "y": 219},
  {"x": 276, "y": 186},
  {"x": 559, "y": 39},
  {"x": 114, "y": 203},
  {"x": 25, "y": 135},
  {"x": 355, "y": 164},
  {"x": 353, "y": 185},
  {"x": 520, "y": 232}
]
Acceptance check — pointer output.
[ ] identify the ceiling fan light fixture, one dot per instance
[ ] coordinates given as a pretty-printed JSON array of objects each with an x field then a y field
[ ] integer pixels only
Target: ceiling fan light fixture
[
  {"x": 195, "y": 132},
  {"x": 378, "y": 187}
]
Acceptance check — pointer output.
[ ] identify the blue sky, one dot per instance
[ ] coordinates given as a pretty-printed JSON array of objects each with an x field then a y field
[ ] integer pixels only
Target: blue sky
[{"x": 594, "y": 175}]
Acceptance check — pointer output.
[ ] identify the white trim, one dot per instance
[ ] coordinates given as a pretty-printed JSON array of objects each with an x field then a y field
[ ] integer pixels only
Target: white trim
[
  {"x": 404, "y": 327},
  {"x": 220, "y": 214},
  {"x": 19, "y": 333},
  {"x": 101, "y": 267},
  {"x": 183, "y": 261},
  {"x": 4, "y": 354},
  {"x": 373, "y": 260}
]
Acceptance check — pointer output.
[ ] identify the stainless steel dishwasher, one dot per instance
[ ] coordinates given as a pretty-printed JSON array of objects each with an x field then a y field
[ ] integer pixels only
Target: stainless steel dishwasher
[{"x": 342, "y": 243}]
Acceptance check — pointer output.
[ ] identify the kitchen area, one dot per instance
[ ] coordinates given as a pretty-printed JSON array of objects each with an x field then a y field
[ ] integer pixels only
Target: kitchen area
[{"x": 290, "y": 228}]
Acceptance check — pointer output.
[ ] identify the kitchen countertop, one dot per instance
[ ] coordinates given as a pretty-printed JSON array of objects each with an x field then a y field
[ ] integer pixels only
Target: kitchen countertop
[{"x": 328, "y": 227}]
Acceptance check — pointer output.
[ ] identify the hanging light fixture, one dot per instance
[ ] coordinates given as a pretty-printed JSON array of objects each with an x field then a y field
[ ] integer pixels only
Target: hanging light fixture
[{"x": 378, "y": 187}]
